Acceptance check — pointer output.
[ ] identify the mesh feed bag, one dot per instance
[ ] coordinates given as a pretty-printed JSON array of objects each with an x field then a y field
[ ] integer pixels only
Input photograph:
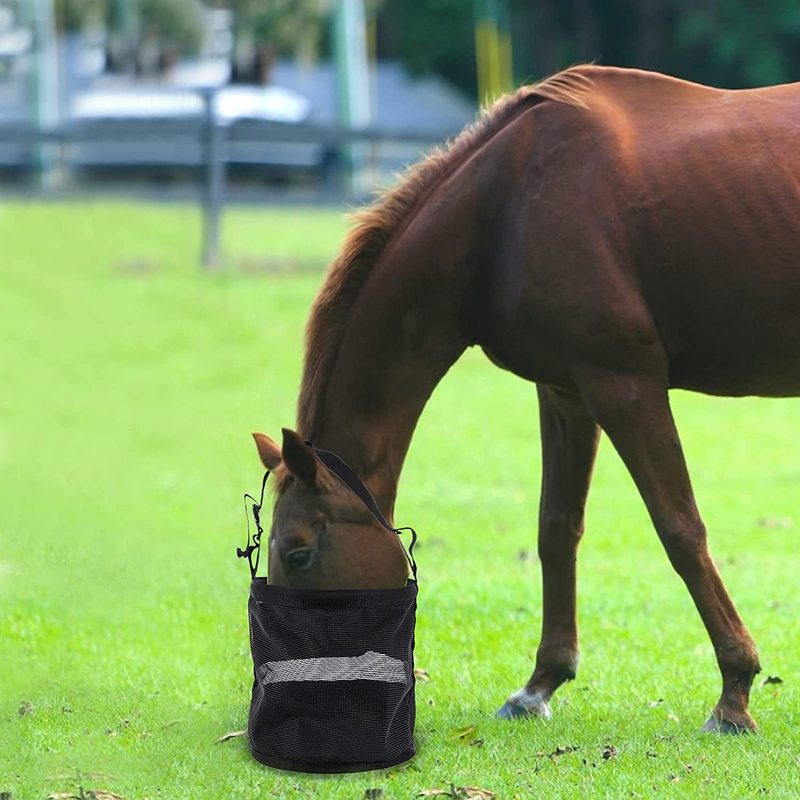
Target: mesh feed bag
[{"x": 333, "y": 670}]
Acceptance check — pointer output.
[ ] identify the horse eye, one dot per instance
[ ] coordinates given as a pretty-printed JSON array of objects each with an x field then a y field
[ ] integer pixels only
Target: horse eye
[{"x": 299, "y": 558}]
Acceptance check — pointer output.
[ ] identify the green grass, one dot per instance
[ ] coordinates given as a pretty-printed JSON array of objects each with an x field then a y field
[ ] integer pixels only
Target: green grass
[{"x": 129, "y": 386}]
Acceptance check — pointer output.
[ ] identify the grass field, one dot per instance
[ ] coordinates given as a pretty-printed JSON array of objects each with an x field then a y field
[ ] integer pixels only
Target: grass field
[{"x": 130, "y": 384}]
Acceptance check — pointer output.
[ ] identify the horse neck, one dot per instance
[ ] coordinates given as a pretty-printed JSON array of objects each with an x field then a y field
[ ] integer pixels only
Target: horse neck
[{"x": 402, "y": 336}]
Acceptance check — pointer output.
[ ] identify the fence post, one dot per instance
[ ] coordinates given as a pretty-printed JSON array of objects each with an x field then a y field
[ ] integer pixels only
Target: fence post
[
  {"x": 214, "y": 160},
  {"x": 43, "y": 86}
]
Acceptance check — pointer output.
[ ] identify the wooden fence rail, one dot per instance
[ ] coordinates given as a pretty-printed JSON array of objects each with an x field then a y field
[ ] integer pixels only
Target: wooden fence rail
[{"x": 173, "y": 141}]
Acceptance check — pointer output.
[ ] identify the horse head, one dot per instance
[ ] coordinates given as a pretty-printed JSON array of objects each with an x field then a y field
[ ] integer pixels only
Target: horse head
[{"x": 322, "y": 535}]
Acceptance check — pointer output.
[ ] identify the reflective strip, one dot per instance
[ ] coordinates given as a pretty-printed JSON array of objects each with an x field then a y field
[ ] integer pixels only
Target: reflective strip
[{"x": 371, "y": 666}]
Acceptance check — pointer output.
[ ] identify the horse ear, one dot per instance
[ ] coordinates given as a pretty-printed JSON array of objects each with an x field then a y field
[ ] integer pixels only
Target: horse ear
[
  {"x": 299, "y": 458},
  {"x": 269, "y": 451}
]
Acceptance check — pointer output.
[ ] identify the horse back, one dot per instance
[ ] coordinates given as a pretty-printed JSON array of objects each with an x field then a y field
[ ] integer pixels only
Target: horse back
[{"x": 663, "y": 210}]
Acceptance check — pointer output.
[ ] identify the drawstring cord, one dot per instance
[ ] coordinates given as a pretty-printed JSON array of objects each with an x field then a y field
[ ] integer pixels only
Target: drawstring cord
[
  {"x": 255, "y": 547},
  {"x": 410, "y": 552}
]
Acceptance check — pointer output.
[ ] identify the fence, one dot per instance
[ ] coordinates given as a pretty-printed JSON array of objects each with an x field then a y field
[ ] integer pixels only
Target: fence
[{"x": 204, "y": 142}]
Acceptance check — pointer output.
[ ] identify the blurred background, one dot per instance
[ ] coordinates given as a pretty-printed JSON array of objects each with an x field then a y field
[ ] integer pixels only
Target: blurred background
[
  {"x": 317, "y": 100},
  {"x": 174, "y": 177}
]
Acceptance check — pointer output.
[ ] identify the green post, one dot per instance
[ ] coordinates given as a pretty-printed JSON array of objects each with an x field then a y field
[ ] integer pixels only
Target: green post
[
  {"x": 43, "y": 86},
  {"x": 493, "y": 49},
  {"x": 352, "y": 84}
]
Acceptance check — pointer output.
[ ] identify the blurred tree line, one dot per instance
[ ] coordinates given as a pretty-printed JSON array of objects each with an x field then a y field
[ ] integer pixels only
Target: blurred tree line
[
  {"x": 139, "y": 31},
  {"x": 731, "y": 43},
  {"x": 723, "y": 42}
]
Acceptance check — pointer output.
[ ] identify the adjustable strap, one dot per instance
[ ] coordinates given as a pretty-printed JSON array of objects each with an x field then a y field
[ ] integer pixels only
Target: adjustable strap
[
  {"x": 341, "y": 470},
  {"x": 338, "y": 467}
]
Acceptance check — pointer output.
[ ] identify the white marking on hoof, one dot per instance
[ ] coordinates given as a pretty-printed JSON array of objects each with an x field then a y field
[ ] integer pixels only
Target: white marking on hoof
[{"x": 532, "y": 703}]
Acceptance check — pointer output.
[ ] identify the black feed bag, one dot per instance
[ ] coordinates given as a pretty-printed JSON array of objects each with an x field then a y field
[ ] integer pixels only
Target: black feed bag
[{"x": 333, "y": 670}]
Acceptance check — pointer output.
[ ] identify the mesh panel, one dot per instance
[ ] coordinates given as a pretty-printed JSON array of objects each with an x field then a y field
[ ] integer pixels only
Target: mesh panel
[
  {"x": 369, "y": 667},
  {"x": 334, "y": 677}
]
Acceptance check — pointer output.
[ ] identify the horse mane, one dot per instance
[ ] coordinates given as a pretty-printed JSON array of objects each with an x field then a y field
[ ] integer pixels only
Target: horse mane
[{"x": 374, "y": 225}]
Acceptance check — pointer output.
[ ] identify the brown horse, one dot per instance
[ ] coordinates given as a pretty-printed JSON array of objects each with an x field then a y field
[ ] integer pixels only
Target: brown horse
[{"x": 606, "y": 233}]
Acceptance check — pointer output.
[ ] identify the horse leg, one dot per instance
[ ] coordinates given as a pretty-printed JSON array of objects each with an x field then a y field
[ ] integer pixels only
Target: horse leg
[
  {"x": 569, "y": 438},
  {"x": 634, "y": 411}
]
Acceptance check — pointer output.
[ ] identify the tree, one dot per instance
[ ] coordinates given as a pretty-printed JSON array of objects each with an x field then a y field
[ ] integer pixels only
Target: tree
[
  {"x": 433, "y": 36},
  {"x": 75, "y": 15},
  {"x": 286, "y": 27},
  {"x": 723, "y": 42},
  {"x": 176, "y": 27},
  {"x": 176, "y": 24}
]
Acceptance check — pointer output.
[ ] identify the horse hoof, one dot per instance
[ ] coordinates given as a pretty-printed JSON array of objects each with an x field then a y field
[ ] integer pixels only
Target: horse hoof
[
  {"x": 716, "y": 724},
  {"x": 525, "y": 704}
]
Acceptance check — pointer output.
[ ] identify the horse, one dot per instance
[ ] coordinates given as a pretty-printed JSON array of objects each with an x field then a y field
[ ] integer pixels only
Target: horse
[{"x": 606, "y": 233}]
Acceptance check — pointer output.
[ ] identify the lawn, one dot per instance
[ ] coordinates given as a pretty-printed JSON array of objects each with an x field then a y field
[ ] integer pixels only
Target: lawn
[{"x": 130, "y": 384}]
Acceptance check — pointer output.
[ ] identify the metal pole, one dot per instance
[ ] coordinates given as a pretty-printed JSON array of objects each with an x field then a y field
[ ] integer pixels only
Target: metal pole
[
  {"x": 214, "y": 159},
  {"x": 352, "y": 81},
  {"x": 43, "y": 85}
]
